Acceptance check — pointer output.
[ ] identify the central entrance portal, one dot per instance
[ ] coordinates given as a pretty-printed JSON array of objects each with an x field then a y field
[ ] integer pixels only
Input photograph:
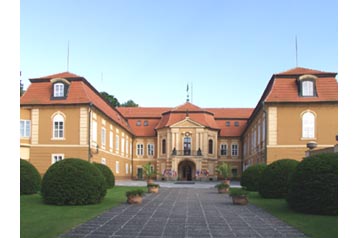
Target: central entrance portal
[{"x": 186, "y": 170}]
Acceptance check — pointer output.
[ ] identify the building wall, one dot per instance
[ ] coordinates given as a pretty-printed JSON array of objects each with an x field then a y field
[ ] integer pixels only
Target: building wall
[{"x": 285, "y": 129}]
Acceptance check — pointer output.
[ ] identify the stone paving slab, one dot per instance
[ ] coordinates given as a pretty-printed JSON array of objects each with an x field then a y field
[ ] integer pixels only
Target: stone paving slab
[{"x": 184, "y": 212}]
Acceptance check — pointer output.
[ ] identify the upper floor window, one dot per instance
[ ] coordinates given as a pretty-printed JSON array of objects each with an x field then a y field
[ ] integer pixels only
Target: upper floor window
[
  {"x": 58, "y": 90},
  {"x": 58, "y": 126},
  {"x": 223, "y": 149},
  {"x": 164, "y": 146},
  {"x": 308, "y": 125},
  {"x": 140, "y": 149},
  {"x": 25, "y": 128},
  {"x": 234, "y": 150},
  {"x": 103, "y": 137},
  {"x": 211, "y": 146},
  {"x": 307, "y": 86},
  {"x": 150, "y": 149}
]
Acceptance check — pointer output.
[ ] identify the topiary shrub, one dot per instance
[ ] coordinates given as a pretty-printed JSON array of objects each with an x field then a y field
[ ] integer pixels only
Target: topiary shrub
[
  {"x": 274, "y": 179},
  {"x": 251, "y": 177},
  {"x": 107, "y": 173},
  {"x": 73, "y": 182},
  {"x": 313, "y": 187},
  {"x": 30, "y": 178}
]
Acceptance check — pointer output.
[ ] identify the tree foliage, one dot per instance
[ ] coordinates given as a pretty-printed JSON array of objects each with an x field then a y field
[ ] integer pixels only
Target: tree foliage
[
  {"x": 129, "y": 103},
  {"x": 111, "y": 99}
]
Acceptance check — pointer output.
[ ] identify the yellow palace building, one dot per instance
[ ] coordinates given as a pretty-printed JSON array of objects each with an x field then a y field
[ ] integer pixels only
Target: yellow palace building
[{"x": 64, "y": 116}]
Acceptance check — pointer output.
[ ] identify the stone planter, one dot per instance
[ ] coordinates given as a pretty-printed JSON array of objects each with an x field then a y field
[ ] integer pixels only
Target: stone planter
[
  {"x": 152, "y": 189},
  {"x": 226, "y": 181},
  {"x": 223, "y": 190},
  {"x": 136, "y": 199},
  {"x": 239, "y": 200}
]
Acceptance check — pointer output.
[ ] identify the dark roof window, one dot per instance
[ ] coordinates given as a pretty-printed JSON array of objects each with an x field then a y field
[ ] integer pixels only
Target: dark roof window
[
  {"x": 59, "y": 88},
  {"x": 307, "y": 86},
  {"x": 145, "y": 123},
  {"x": 139, "y": 123},
  {"x": 236, "y": 123}
]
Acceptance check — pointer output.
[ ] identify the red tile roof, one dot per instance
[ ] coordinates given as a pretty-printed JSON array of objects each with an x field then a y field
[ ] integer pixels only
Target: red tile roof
[
  {"x": 285, "y": 88},
  {"x": 80, "y": 92},
  {"x": 143, "y": 112},
  {"x": 225, "y": 113}
]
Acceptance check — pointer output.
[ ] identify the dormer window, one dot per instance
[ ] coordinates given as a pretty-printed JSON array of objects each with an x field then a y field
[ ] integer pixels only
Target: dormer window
[
  {"x": 307, "y": 86},
  {"x": 59, "y": 88}
]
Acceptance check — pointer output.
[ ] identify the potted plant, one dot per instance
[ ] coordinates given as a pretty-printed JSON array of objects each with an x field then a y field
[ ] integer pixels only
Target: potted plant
[
  {"x": 135, "y": 196},
  {"x": 222, "y": 187},
  {"x": 224, "y": 169},
  {"x": 149, "y": 172},
  {"x": 239, "y": 196},
  {"x": 153, "y": 188}
]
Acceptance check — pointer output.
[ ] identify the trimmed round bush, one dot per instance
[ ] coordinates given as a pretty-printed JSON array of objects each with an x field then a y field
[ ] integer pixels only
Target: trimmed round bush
[
  {"x": 251, "y": 177},
  {"x": 107, "y": 173},
  {"x": 30, "y": 178},
  {"x": 313, "y": 187},
  {"x": 73, "y": 182},
  {"x": 274, "y": 179}
]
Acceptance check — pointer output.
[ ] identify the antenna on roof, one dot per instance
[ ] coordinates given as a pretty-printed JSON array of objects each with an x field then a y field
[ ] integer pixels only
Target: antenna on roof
[
  {"x": 187, "y": 92},
  {"x": 296, "y": 53},
  {"x": 192, "y": 92},
  {"x": 68, "y": 55}
]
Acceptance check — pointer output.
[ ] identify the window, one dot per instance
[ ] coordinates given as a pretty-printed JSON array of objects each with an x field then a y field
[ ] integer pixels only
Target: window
[
  {"x": 308, "y": 125},
  {"x": 56, "y": 157},
  {"x": 187, "y": 145},
  {"x": 103, "y": 137},
  {"x": 223, "y": 149},
  {"x": 236, "y": 123},
  {"x": 25, "y": 128},
  {"x": 211, "y": 147},
  {"x": 117, "y": 167},
  {"x": 58, "y": 127},
  {"x": 94, "y": 131},
  {"x": 117, "y": 143},
  {"x": 307, "y": 88},
  {"x": 138, "y": 123},
  {"x": 111, "y": 139},
  {"x": 127, "y": 168},
  {"x": 164, "y": 146},
  {"x": 122, "y": 145},
  {"x": 227, "y": 123},
  {"x": 150, "y": 149},
  {"x": 234, "y": 150},
  {"x": 140, "y": 149},
  {"x": 103, "y": 161},
  {"x": 58, "y": 90},
  {"x": 145, "y": 123}
]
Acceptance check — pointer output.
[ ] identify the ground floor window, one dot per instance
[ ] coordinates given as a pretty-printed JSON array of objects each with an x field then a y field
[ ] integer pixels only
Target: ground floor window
[{"x": 56, "y": 157}]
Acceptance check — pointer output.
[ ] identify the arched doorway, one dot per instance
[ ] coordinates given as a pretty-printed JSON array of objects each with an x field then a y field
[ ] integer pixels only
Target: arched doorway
[{"x": 186, "y": 170}]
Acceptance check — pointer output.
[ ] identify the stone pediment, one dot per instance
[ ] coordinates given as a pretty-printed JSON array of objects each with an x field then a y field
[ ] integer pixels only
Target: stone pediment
[{"x": 187, "y": 122}]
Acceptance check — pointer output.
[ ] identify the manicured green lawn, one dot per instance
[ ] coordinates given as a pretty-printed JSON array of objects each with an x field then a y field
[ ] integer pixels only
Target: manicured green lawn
[
  {"x": 314, "y": 226},
  {"x": 38, "y": 220}
]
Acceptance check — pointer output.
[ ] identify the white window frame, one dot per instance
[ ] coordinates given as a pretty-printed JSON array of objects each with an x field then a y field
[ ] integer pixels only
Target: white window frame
[
  {"x": 308, "y": 125},
  {"x": 58, "y": 127},
  {"x": 150, "y": 149},
  {"x": 111, "y": 140},
  {"x": 127, "y": 168},
  {"x": 140, "y": 149},
  {"x": 223, "y": 147},
  {"x": 234, "y": 150},
  {"x": 94, "y": 131},
  {"x": 117, "y": 143},
  {"x": 307, "y": 88},
  {"x": 103, "y": 161},
  {"x": 25, "y": 128},
  {"x": 103, "y": 137},
  {"x": 117, "y": 167},
  {"x": 59, "y": 90},
  {"x": 56, "y": 157}
]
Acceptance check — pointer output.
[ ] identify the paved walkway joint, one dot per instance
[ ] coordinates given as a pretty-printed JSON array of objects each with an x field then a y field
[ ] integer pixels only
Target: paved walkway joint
[{"x": 184, "y": 212}]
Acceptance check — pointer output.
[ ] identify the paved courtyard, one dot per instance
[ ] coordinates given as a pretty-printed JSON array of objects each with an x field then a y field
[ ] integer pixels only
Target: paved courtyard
[{"x": 184, "y": 212}]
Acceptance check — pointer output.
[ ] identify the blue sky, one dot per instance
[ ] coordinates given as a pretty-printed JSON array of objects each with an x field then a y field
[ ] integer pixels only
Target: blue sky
[{"x": 148, "y": 50}]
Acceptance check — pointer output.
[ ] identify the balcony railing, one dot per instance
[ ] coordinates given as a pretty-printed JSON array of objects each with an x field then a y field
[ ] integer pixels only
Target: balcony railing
[{"x": 186, "y": 152}]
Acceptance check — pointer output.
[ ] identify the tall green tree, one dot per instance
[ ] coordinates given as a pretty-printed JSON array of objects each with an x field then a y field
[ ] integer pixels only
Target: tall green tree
[{"x": 111, "y": 99}]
